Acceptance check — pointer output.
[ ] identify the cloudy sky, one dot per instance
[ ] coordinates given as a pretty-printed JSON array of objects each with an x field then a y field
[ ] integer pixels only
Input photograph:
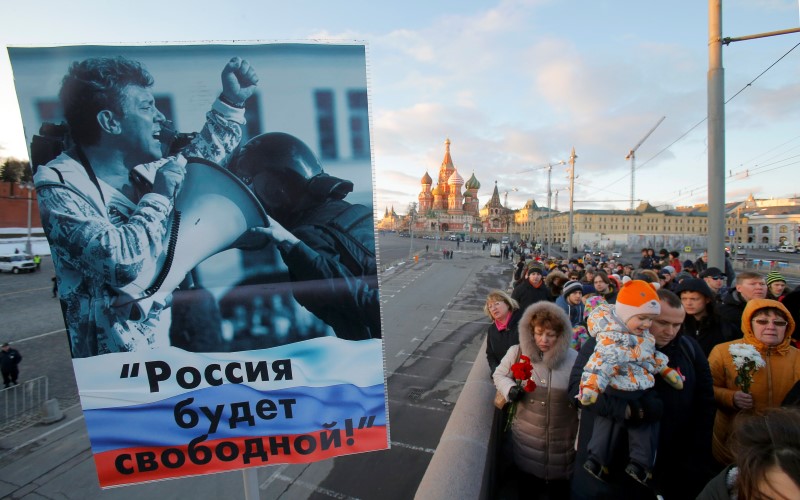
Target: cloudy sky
[{"x": 514, "y": 85}]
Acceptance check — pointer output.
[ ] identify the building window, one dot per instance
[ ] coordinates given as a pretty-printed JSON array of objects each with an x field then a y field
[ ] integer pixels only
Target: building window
[
  {"x": 783, "y": 230},
  {"x": 765, "y": 230},
  {"x": 359, "y": 123},
  {"x": 326, "y": 124}
]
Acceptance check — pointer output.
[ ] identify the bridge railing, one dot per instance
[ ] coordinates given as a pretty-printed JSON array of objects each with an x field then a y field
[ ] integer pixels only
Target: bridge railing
[{"x": 463, "y": 464}]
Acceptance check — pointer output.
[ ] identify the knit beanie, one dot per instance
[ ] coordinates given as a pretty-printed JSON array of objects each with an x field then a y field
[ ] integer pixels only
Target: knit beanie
[
  {"x": 774, "y": 276},
  {"x": 694, "y": 285},
  {"x": 636, "y": 297},
  {"x": 571, "y": 286},
  {"x": 535, "y": 267}
]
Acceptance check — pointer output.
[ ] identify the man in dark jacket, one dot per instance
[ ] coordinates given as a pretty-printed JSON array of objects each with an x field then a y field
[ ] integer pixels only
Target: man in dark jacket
[
  {"x": 749, "y": 285},
  {"x": 327, "y": 243},
  {"x": 715, "y": 279},
  {"x": 647, "y": 261},
  {"x": 701, "y": 321},
  {"x": 683, "y": 462},
  {"x": 533, "y": 289},
  {"x": 9, "y": 361}
]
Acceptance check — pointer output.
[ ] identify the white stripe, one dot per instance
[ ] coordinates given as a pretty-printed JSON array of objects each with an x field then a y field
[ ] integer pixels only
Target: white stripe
[{"x": 319, "y": 362}]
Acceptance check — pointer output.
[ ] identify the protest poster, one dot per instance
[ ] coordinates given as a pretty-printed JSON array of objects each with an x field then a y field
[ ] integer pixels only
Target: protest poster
[{"x": 209, "y": 211}]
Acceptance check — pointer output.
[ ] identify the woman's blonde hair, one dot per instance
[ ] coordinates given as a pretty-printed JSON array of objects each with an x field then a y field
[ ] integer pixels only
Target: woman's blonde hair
[{"x": 500, "y": 295}]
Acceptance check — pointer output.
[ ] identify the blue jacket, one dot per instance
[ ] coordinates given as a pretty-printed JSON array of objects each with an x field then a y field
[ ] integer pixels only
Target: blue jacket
[{"x": 575, "y": 313}]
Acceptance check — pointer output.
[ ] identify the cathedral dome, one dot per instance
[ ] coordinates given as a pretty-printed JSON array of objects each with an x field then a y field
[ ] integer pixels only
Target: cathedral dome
[
  {"x": 455, "y": 179},
  {"x": 472, "y": 183},
  {"x": 426, "y": 179}
]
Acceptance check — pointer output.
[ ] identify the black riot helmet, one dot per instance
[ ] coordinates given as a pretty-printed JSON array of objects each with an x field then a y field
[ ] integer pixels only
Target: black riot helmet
[{"x": 285, "y": 175}]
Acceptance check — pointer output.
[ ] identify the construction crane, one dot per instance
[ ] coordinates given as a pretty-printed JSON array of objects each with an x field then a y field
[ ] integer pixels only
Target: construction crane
[{"x": 632, "y": 157}]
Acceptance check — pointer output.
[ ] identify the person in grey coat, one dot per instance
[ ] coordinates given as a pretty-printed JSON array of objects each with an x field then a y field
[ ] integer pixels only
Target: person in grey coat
[{"x": 545, "y": 422}]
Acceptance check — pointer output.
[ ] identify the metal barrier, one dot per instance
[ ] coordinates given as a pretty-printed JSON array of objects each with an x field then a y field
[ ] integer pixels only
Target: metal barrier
[{"x": 23, "y": 404}]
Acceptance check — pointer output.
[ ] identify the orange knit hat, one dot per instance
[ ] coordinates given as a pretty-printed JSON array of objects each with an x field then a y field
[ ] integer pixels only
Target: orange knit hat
[{"x": 636, "y": 297}]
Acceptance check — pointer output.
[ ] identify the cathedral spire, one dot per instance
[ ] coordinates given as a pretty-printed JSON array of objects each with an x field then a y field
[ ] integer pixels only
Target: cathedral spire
[
  {"x": 495, "y": 201},
  {"x": 447, "y": 162}
]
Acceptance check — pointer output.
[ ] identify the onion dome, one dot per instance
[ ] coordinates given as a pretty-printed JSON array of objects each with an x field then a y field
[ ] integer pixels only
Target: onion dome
[
  {"x": 472, "y": 183},
  {"x": 426, "y": 179},
  {"x": 455, "y": 179}
]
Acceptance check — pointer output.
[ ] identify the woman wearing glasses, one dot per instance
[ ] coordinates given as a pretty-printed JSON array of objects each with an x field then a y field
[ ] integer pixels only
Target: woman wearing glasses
[{"x": 768, "y": 327}]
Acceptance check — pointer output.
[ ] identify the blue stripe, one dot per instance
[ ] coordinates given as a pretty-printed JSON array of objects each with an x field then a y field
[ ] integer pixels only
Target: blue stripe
[{"x": 154, "y": 424}]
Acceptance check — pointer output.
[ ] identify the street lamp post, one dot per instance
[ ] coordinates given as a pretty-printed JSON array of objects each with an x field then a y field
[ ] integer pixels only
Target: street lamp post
[
  {"x": 716, "y": 138},
  {"x": 549, "y": 212},
  {"x": 572, "y": 158},
  {"x": 716, "y": 129}
]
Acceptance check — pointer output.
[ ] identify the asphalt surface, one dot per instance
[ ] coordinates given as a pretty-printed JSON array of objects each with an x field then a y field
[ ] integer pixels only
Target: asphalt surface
[{"x": 433, "y": 329}]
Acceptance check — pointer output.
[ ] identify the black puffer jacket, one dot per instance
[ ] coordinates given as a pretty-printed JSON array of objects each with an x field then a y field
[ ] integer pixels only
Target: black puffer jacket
[
  {"x": 498, "y": 342},
  {"x": 730, "y": 311},
  {"x": 684, "y": 444}
]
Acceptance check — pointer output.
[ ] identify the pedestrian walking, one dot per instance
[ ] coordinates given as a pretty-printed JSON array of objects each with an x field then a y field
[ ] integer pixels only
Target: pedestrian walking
[{"x": 9, "y": 361}]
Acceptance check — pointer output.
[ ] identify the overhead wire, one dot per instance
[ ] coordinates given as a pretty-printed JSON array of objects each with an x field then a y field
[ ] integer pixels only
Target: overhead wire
[{"x": 638, "y": 167}]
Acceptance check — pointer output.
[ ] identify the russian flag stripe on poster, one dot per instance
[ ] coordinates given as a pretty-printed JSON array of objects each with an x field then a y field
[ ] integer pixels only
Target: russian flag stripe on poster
[{"x": 197, "y": 413}]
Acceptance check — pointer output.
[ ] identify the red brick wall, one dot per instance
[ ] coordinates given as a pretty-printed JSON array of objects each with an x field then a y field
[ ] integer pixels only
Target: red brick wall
[{"x": 14, "y": 208}]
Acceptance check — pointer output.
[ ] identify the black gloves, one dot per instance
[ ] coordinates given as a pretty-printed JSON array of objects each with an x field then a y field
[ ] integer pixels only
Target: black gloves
[
  {"x": 648, "y": 408},
  {"x": 515, "y": 394}
]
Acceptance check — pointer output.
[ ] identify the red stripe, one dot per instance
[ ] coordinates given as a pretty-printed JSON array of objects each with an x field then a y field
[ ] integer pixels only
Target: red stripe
[{"x": 364, "y": 440}]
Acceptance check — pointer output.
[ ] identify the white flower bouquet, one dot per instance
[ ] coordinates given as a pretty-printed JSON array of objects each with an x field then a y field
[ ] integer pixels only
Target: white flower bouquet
[{"x": 747, "y": 361}]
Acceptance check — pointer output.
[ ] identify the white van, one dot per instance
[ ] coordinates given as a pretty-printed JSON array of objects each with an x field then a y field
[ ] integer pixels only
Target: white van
[
  {"x": 786, "y": 248},
  {"x": 17, "y": 263},
  {"x": 494, "y": 250}
]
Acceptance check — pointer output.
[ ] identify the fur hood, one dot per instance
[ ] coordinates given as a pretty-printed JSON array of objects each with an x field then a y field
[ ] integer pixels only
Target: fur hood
[
  {"x": 555, "y": 356},
  {"x": 555, "y": 281},
  {"x": 552, "y": 276}
]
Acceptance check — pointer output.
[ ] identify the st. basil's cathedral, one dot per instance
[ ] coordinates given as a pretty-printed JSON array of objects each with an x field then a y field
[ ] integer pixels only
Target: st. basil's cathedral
[{"x": 443, "y": 208}]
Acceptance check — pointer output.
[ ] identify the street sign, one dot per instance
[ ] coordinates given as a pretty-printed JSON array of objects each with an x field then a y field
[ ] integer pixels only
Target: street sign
[{"x": 687, "y": 249}]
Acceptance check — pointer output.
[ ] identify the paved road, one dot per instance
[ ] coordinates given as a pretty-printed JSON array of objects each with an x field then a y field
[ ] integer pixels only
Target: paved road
[{"x": 433, "y": 326}]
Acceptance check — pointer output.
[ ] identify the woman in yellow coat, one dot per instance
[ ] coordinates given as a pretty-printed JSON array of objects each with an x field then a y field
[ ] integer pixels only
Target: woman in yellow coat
[{"x": 767, "y": 326}]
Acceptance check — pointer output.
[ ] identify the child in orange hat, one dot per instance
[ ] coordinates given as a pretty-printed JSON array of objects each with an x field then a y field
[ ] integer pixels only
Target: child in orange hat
[{"x": 624, "y": 358}]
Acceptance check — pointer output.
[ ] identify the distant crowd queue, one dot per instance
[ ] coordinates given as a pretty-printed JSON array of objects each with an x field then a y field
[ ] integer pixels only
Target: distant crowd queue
[{"x": 663, "y": 379}]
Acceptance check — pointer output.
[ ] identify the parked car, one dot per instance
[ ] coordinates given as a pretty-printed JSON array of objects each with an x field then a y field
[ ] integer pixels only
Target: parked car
[
  {"x": 772, "y": 249},
  {"x": 17, "y": 263},
  {"x": 616, "y": 254},
  {"x": 787, "y": 248}
]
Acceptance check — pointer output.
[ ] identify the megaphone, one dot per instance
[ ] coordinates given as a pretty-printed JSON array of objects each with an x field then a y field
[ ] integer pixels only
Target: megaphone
[{"x": 212, "y": 211}]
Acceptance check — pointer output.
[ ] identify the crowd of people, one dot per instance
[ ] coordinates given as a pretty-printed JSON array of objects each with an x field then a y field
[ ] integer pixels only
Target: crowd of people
[{"x": 646, "y": 380}]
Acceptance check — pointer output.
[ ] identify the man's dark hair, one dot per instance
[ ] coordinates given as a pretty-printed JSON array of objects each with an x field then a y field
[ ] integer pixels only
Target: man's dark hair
[
  {"x": 93, "y": 85},
  {"x": 669, "y": 298}
]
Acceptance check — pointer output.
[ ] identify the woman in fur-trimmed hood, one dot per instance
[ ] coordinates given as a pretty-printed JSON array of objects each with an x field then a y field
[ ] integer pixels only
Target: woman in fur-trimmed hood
[
  {"x": 555, "y": 281},
  {"x": 546, "y": 422}
]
